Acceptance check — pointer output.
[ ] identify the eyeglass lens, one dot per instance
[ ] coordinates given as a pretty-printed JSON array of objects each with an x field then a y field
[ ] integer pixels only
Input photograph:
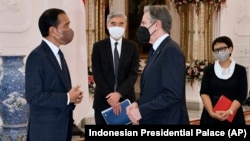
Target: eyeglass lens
[{"x": 220, "y": 49}]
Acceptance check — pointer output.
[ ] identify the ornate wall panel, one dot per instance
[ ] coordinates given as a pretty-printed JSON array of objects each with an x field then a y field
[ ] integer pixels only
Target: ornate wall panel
[
  {"x": 19, "y": 15},
  {"x": 242, "y": 30}
]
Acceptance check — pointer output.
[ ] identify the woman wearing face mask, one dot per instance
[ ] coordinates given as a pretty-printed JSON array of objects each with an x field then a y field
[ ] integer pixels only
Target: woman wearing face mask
[
  {"x": 114, "y": 78},
  {"x": 224, "y": 77}
]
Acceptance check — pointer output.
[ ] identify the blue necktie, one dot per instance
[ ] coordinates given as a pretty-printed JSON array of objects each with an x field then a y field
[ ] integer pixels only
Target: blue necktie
[
  {"x": 150, "y": 53},
  {"x": 64, "y": 65},
  {"x": 116, "y": 65}
]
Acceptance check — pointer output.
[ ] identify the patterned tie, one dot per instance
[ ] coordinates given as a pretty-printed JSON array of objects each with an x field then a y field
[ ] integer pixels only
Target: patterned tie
[{"x": 116, "y": 65}]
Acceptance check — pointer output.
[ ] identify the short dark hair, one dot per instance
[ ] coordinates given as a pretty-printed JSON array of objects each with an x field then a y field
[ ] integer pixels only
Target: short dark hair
[
  {"x": 49, "y": 18},
  {"x": 222, "y": 39}
]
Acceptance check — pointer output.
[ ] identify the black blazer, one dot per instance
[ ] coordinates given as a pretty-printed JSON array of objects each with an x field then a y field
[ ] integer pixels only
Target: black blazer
[
  {"x": 162, "y": 99},
  {"x": 46, "y": 92},
  {"x": 103, "y": 71}
]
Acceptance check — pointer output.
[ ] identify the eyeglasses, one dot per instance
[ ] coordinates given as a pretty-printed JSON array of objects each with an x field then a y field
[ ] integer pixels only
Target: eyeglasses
[{"x": 222, "y": 49}]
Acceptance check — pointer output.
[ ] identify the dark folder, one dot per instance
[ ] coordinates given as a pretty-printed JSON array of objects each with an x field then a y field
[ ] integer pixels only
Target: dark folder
[
  {"x": 223, "y": 104},
  {"x": 121, "y": 119}
]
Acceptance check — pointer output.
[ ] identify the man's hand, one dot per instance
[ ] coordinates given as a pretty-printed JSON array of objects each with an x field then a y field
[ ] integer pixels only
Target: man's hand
[
  {"x": 113, "y": 98},
  {"x": 133, "y": 113},
  {"x": 75, "y": 94},
  {"x": 117, "y": 109}
]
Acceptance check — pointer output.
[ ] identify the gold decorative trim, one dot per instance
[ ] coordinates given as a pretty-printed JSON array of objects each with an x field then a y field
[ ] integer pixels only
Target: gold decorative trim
[
  {"x": 96, "y": 23},
  {"x": 196, "y": 31}
]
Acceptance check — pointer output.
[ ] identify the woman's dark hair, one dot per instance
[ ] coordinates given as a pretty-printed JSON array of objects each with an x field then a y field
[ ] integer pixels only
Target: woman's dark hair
[
  {"x": 222, "y": 39},
  {"x": 49, "y": 18}
]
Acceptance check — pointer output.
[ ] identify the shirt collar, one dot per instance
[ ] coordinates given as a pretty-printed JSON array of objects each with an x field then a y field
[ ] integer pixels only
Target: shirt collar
[
  {"x": 113, "y": 41},
  {"x": 54, "y": 48},
  {"x": 219, "y": 70},
  {"x": 158, "y": 41}
]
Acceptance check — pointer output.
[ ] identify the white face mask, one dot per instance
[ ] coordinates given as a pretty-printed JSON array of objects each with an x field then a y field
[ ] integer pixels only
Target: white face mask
[{"x": 116, "y": 32}]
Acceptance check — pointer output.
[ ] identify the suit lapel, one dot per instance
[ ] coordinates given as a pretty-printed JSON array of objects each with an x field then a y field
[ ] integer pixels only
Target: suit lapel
[
  {"x": 57, "y": 67},
  {"x": 153, "y": 59},
  {"x": 108, "y": 52},
  {"x": 124, "y": 51}
]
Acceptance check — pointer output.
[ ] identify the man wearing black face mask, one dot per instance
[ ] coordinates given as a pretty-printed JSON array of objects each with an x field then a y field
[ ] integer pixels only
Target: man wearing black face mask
[
  {"x": 143, "y": 34},
  {"x": 48, "y": 87},
  {"x": 162, "y": 99}
]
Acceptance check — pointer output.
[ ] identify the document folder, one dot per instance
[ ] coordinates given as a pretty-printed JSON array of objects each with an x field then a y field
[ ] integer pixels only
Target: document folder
[
  {"x": 121, "y": 119},
  {"x": 223, "y": 104}
]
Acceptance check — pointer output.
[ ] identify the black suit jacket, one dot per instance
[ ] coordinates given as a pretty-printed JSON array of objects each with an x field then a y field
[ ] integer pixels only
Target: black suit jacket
[
  {"x": 103, "y": 71},
  {"x": 46, "y": 92},
  {"x": 162, "y": 99}
]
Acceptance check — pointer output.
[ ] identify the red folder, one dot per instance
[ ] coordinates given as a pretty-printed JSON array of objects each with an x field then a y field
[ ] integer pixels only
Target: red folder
[{"x": 224, "y": 104}]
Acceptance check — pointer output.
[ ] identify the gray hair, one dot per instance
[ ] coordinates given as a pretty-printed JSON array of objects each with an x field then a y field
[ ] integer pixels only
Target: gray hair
[
  {"x": 116, "y": 14},
  {"x": 160, "y": 12}
]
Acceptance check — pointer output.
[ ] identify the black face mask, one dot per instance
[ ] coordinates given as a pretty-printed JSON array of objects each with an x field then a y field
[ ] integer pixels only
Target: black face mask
[{"x": 143, "y": 34}]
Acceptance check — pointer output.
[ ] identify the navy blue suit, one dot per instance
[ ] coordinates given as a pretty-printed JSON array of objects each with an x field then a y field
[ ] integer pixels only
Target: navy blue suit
[
  {"x": 46, "y": 90},
  {"x": 162, "y": 99}
]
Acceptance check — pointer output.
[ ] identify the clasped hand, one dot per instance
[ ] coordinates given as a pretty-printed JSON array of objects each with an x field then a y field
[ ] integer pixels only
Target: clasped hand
[
  {"x": 76, "y": 94},
  {"x": 221, "y": 115},
  {"x": 113, "y": 100}
]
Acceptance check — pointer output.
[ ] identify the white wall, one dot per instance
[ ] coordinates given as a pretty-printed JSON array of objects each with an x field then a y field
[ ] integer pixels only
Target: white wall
[
  {"x": 18, "y": 26},
  {"x": 235, "y": 23}
]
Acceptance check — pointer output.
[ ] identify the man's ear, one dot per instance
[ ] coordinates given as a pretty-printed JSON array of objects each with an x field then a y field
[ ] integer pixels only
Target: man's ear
[
  {"x": 53, "y": 31},
  {"x": 158, "y": 24}
]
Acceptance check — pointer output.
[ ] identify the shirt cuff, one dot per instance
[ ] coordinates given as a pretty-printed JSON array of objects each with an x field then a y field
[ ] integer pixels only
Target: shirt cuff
[{"x": 68, "y": 99}]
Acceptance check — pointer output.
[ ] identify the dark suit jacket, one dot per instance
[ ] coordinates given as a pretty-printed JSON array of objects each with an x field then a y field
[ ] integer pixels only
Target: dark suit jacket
[
  {"x": 103, "y": 71},
  {"x": 46, "y": 92},
  {"x": 162, "y": 99}
]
